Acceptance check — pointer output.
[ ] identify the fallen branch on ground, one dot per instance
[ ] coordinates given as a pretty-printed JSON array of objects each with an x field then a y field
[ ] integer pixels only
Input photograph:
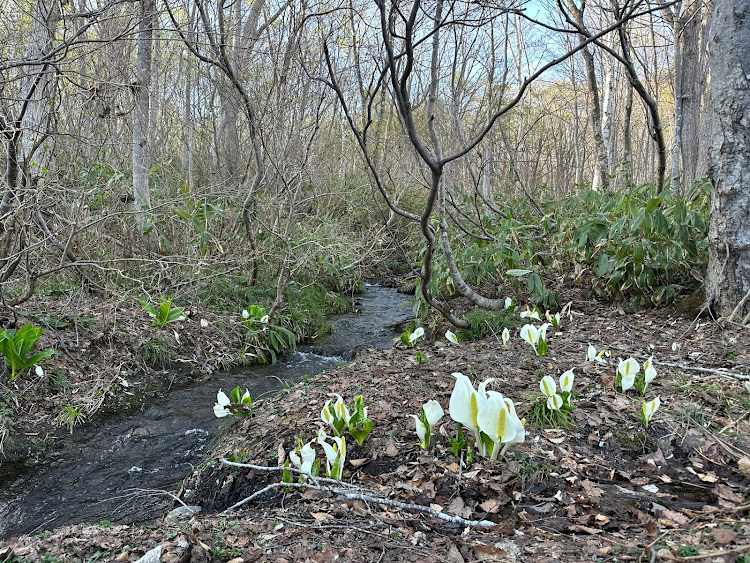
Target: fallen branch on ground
[{"x": 348, "y": 491}]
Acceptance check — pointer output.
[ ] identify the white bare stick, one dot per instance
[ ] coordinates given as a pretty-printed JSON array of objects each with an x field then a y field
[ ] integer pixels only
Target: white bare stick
[
  {"x": 718, "y": 371},
  {"x": 315, "y": 480},
  {"x": 347, "y": 492},
  {"x": 739, "y": 307}
]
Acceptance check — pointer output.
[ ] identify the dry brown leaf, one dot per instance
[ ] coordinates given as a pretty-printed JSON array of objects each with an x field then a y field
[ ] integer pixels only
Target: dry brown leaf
[
  {"x": 322, "y": 516},
  {"x": 390, "y": 448},
  {"x": 584, "y": 529},
  {"x": 489, "y": 553},
  {"x": 591, "y": 489},
  {"x": 358, "y": 462},
  {"x": 491, "y": 505},
  {"x": 454, "y": 555},
  {"x": 727, "y": 493},
  {"x": 673, "y": 519},
  {"x": 459, "y": 508},
  {"x": 723, "y": 535},
  {"x": 743, "y": 464}
]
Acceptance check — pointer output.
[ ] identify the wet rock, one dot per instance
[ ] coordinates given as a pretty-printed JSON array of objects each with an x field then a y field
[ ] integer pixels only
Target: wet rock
[
  {"x": 182, "y": 512},
  {"x": 151, "y": 556}
]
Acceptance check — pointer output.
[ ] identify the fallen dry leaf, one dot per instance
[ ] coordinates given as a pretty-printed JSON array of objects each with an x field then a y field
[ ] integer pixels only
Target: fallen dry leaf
[
  {"x": 489, "y": 553},
  {"x": 390, "y": 448},
  {"x": 723, "y": 535},
  {"x": 727, "y": 493},
  {"x": 322, "y": 516},
  {"x": 491, "y": 505},
  {"x": 673, "y": 519}
]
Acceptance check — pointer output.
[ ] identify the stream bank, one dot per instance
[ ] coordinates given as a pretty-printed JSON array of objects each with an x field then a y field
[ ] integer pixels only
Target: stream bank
[{"x": 108, "y": 472}]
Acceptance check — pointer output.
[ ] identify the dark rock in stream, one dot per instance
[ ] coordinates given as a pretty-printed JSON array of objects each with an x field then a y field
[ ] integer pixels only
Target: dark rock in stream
[{"x": 119, "y": 471}]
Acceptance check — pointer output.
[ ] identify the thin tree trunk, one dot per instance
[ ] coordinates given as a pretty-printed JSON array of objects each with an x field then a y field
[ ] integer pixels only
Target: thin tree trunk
[
  {"x": 693, "y": 87},
  {"x": 600, "y": 164},
  {"x": 141, "y": 145},
  {"x": 677, "y": 24},
  {"x": 627, "y": 136}
]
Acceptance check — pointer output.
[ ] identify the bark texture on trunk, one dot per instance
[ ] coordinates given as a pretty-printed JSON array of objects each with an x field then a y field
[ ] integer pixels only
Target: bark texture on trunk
[
  {"x": 693, "y": 85},
  {"x": 141, "y": 115},
  {"x": 600, "y": 164},
  {"x": 728, "y": 277}
]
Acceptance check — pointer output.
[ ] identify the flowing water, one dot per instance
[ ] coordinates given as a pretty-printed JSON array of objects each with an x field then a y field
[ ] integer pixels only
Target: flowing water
[{"x": 112, "y": 471}]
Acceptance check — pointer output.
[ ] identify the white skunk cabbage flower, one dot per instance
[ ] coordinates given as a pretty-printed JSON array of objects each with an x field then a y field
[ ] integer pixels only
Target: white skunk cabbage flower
[
  {"x": 416, "y": 335},
  {"x": 554, "y": 402},
  {"x": 335, "y": 454},
  {"x": 264, "y": 319},
  {"x": 566, "y": 380},
  {"x": 592, "y": 356},
  {"x": 648, "y": 409},
  {"x": 543, "y": 331},
  {"x": 39, "y": 371},
  {"x": 222, "y": 402},
  {"x": 649, "y": 372},
  {"x": 506, "y": 336},
  {"x": 337, "y": 416},
  {"x": 508, "y": 302},
  {"x": 530, "y": 314},
  {"x": 530, "y": 334},
  {"x": 498, "y": 420},
  {"x": 341, "y": 410},
  {"x": 305, "y": 462},
  {"x": 553, "y": 319},
  {"x": 429, "y": 415},
  {"x": 466, "y": 402},
  {"x": 245, "y": 314},
  {"x": 548, "y": 386},
  {"x": 451, "y": 337},
  {"x": 627, "y": 370}
]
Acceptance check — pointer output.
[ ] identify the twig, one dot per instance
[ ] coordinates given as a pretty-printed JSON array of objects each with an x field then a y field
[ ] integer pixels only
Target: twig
[
  {"x": 718, "y": 371},
  {"x": 345, "y": 490},
  {"x": 740, "y": 549},
  {"x": 739, "y": 306}
]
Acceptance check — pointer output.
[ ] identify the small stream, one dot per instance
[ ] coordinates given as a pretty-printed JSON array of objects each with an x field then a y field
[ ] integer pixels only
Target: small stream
[{"x": 109, "y": 472}]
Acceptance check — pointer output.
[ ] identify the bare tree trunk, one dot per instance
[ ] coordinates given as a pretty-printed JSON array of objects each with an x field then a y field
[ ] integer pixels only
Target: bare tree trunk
[
  {"x": 189, "y": 116},
  {"x": 693, "y": 87},
  {"x": 728, "y": 276},
  {"x": 627, "y": 136},
  {"x": 656, "y": 127},
  {"x": 600, "y": 164},
  {"x": 608, "y": 93},
  {"x": 38, "y": 87},
  {"x": 141, "y": 137},
  {"x": 675, "y": 16}
]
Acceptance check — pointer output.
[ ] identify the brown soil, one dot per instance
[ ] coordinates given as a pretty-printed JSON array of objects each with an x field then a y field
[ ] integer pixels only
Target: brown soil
[{"x": 605, "y": 490}]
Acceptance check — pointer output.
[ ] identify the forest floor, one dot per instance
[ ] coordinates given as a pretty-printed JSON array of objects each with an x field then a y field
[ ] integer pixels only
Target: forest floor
[{"x": 604, "y": 490}]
